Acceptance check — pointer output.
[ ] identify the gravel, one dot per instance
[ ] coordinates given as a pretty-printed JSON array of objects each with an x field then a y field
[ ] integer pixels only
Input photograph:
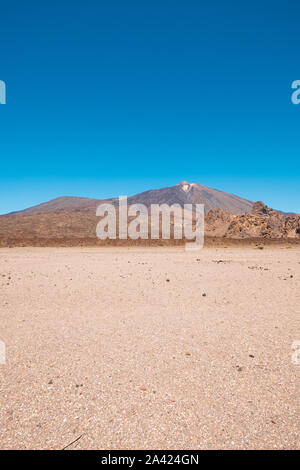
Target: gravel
[{"x": 102, "y": 353}]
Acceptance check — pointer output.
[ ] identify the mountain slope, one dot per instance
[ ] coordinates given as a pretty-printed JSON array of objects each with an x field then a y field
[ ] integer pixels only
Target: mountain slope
[
  {"x": 64, "y": 203},
  {"x": 188, "y": 193},
  {"x": 69, "y": 228}
]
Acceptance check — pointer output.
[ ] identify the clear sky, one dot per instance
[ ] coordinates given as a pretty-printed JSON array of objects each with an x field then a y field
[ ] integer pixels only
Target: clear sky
[{"x": 116, "y": 97}]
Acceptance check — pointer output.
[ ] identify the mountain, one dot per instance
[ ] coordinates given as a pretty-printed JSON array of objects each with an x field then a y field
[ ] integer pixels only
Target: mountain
[
  {"x": 68, "y": 221},
  {"x": 188, "y": 193},
  {"x": 182, "y": 193}
]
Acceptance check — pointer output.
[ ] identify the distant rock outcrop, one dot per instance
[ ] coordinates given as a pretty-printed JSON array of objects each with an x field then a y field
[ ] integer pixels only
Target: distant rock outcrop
[{"x": 261, "y": 222}]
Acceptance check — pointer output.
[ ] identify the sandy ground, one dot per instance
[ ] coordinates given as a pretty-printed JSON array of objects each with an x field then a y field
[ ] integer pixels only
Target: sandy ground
[{"x": 121, "y": 347}]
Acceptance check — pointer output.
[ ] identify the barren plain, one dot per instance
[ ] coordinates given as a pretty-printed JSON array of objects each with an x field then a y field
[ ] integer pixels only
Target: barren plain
[{"x": 150, "y": 348}]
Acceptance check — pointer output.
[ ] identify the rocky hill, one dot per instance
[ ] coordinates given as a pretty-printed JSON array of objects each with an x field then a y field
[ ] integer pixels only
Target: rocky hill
[
  {"x": 78, "y": 227},
  {"x": 261, "y": 222}
]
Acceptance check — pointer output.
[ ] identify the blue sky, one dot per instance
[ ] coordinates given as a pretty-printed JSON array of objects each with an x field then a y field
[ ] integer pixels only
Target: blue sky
[{"x": 117, "y": 97}]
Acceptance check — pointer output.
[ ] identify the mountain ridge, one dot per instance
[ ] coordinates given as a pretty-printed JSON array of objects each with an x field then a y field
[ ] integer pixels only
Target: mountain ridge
[{"x": 182, "y": 193}]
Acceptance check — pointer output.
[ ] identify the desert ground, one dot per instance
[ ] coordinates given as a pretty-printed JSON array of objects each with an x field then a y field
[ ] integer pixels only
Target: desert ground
[{"x": 150, "y": 348}]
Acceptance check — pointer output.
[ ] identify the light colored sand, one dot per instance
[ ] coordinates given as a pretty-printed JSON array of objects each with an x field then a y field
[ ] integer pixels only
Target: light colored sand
[{"x": 100, "y": 344}]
